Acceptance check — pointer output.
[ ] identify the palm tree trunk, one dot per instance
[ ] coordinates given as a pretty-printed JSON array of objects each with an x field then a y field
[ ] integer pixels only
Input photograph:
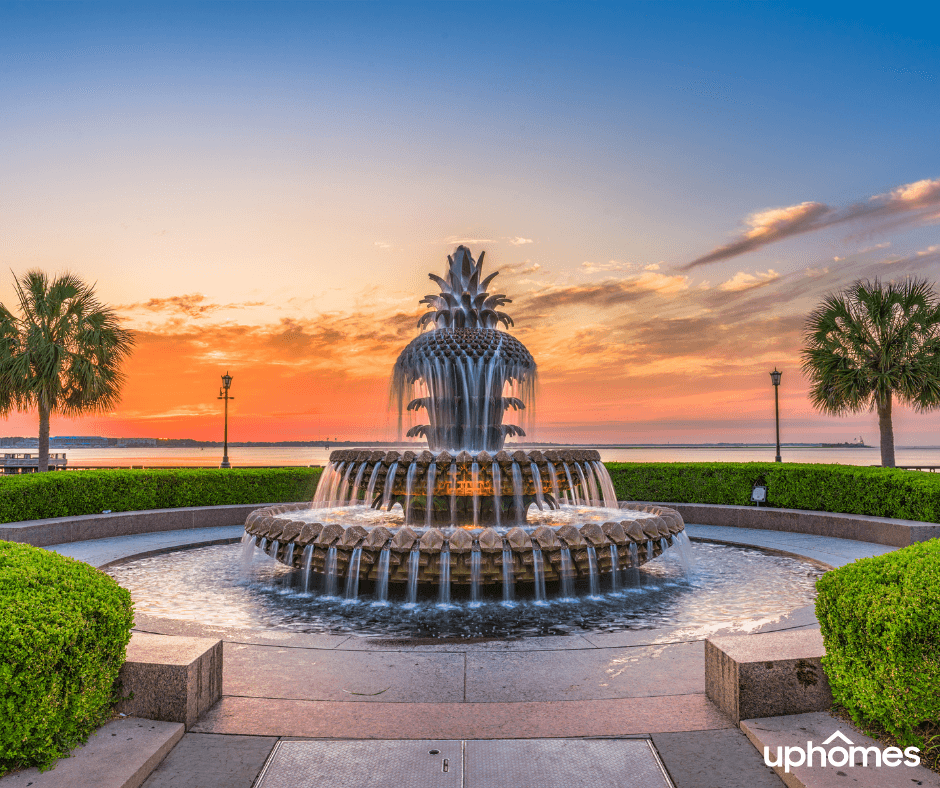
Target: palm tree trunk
[
  {"x": 43, "y": 436},
  {"x": 887, "y": 431}
]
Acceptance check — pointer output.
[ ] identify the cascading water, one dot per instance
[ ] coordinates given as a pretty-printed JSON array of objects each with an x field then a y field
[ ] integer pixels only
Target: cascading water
[
  {"x": 537, "y": 478},
  {"x": 614, "y": 567},
  {"x": 381, "y": 582},
  {"x": 508, "y": 580},
  {"x": 307, "y": 561},
  {"x": 288, "y": 580},
  {"x": 567, "y": 574},
  {"x": 429, "y": 495},
  {"x": 518, "y": 500},
  {"x": 330, "y": 575},
  {"x": 538, "y": 569},
  {"x": 475, "y": 575},
  {"x": 389, "y": 486},
  {"x": 593, "y": 575},
  {"x": 413, "y": 575},
  {"x": 497, "y": 477},
  {"x": 409, "y": 490},
  {"x": 443, "y": 596},
  {"x": 352, "y": 576}
]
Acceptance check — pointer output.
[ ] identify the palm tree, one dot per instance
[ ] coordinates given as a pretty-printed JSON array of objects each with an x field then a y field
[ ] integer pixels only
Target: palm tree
[
  {"x": 62, "y": 354},
  {"x": 873, "y": 343}
]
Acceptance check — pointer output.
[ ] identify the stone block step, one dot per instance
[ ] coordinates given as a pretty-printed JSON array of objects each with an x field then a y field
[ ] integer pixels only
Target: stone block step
[
  {"x": 120, "y": 754},
  {"x": 766, "y": 675}
]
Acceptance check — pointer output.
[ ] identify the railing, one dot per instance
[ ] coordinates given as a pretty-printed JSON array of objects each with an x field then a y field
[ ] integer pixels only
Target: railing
[{"x": 931, "y": 468}]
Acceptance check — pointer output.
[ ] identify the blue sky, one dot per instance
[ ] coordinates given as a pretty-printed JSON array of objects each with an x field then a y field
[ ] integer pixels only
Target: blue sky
[{"x": 311, "y": 162}]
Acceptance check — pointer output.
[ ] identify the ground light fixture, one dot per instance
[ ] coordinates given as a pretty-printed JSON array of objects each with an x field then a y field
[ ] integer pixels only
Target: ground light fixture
[
  {"x": 775, "y": 377},
  {"x": 224, "y": 395}
]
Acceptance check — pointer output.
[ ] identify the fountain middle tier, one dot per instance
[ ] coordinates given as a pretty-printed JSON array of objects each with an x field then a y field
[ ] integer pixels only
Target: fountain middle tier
[
  {"x": 556, "y": 545},
  {"x": 443, "y": 489}
]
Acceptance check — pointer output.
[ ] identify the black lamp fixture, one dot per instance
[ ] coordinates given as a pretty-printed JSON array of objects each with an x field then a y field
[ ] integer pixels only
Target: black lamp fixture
[
  {"x": 223, "y": 394},
  {"x": 775, "y": 377}
]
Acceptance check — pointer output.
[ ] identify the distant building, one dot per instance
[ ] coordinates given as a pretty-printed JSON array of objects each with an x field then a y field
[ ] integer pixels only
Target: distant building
[
  {"x": 125, "y": 443},
  {"x": 78, "y": 442}
]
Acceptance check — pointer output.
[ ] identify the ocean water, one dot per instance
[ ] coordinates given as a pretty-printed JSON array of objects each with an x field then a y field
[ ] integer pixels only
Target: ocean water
[{"x": 292, "y": 456}]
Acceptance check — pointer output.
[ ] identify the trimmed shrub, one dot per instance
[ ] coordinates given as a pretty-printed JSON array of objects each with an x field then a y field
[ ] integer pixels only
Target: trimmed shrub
[
  {"x": 849, "y": 489},
  {"x": 64, "y": 629},
  {"x": 35, "y": 496},
  {"x": 880, "y": 620}
]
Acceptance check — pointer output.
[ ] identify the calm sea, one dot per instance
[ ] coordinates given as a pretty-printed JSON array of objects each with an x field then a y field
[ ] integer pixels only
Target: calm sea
[{"x": 210, "y": 457}]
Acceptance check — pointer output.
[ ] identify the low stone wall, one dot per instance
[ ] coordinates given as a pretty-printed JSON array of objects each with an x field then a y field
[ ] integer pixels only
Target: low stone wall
[
  {"x": 861, "y": 528},
  {"x": 60, "y": 530},
  {"x": 879, "y": 530}
]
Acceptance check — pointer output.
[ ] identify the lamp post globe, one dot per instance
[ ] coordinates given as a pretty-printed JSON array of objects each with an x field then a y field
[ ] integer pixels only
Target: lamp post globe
[
  {"x": 224, "y": 395},
  {"x": 775, "y": 379}
]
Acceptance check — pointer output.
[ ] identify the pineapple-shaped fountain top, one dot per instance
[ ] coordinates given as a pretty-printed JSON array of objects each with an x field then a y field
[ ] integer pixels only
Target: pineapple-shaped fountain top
[{"x": 465, "y": 372}]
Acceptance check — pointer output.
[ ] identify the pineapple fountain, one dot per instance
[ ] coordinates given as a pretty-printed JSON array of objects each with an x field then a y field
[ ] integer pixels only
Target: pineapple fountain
[{"x": 465, "y": 511}]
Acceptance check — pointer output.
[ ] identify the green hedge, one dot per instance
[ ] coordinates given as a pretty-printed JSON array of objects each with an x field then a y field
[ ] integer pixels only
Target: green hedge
[
  {"x": 880, "y": 620},
  {"x": 64, "y": 627},
  {"x": 850, "y": 489},
  {"x": 68, "y": 493}
]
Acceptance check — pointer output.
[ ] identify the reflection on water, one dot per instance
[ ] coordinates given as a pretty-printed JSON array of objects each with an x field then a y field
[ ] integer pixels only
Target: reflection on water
[{"x": 724, "y": 584}]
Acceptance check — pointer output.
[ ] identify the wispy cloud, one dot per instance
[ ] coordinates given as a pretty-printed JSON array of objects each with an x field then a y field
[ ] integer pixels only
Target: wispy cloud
[
  {"x": 929, "y": 255},
  {"x": 745, "y": 281},
  {"x": 456, "y": 240},
  {"x": 611, "y": 265},
  {"x": 192, "y": 305},
  {"x": 609, "y": 293},
  {"x": 911, "y": 202},
  {"x": 519, "y": 241},
  {"x": 525, "y": 267}
]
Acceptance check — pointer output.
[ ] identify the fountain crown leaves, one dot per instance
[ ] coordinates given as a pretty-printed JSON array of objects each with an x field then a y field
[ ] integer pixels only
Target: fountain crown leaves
[{"x": 463, "y": 301}]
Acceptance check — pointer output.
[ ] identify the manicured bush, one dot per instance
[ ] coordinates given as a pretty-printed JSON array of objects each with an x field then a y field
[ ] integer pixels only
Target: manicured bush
[
  {"x": 880, "y": 620},
  {"x": 68, "y": 493},
  {"x": 850, "y": 489},
  {"x": 64, "y": 628}
]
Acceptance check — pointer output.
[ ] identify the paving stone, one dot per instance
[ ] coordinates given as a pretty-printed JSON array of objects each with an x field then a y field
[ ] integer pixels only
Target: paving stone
[
  {"x": 120, "y": 754},
  {"x": 363, "y": 676},
  {"x": 330, "y": 719},
  {"x": 207, "y": 760},
  {"x": 714, "y": 759},
  {"x": 670, "y": 669},
  {"x": 798, "y": 729}
]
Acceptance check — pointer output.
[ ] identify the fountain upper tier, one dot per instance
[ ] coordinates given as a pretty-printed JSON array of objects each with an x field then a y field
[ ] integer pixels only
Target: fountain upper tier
[
  {"x": 464, "y": 373},
  {"x": 467, "y": 489}
]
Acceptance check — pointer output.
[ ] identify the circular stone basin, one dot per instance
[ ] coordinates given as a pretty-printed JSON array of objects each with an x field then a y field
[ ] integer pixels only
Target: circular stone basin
[
  {"x": 552, "y": 545},
  {"x": 213, "y": 586}
]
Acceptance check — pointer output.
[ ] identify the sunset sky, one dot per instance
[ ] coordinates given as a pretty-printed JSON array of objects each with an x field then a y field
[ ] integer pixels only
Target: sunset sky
[{"x": 667, "y": 190}]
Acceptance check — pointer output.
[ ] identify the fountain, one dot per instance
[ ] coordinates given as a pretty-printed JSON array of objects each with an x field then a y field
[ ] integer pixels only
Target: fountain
[{"x": 464, "y": 511}]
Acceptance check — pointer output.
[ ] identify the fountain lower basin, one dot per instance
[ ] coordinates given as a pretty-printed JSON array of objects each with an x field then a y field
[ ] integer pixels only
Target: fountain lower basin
[{"x": 562, "y": 545}]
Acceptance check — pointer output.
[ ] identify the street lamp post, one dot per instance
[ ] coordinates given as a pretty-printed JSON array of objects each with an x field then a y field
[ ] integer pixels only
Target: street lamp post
[
  {"x": 223, "y": 394},
  {"x": 775, "y": 377}
]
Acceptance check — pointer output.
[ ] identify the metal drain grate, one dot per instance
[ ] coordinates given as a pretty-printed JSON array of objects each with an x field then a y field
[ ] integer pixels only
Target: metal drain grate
[
  {"x": 563, "y": 763},
  {"x": 363, "y": 764},
  {"x": 505, "y": 763}
]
